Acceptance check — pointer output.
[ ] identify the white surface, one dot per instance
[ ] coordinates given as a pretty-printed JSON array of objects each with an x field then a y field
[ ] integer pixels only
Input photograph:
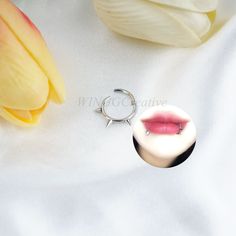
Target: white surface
[{"x": 71, "y": 176}]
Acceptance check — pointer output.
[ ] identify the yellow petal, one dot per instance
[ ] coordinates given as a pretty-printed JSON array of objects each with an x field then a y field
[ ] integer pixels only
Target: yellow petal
[
  {"x": 17, "y": 120},
  {"x": 23, "y": 118},
  {"x": 23, "y": 115},
  {"x": 31, "y": 39},
  {"x": 23, "y": 85}
]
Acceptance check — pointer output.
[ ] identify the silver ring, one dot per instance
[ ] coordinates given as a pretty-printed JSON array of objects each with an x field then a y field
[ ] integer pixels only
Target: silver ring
[{"x": 126, "y": 119}]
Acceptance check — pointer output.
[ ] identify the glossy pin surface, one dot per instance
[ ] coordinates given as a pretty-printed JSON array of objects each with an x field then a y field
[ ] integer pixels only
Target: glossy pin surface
[{"x": 111, "y": 120}]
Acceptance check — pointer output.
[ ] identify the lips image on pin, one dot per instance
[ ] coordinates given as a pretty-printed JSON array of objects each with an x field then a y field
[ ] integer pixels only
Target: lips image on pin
[
  {"x": 29, "y": 78},
  {"x": 164, "y": 123},
  {"x": 164, "y": 135}
]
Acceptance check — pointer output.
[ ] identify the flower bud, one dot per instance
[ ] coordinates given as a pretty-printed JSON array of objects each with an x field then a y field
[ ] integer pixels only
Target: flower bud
[
  {"x": 181, "y": 23},
  {"x": 28, "y": 75}
]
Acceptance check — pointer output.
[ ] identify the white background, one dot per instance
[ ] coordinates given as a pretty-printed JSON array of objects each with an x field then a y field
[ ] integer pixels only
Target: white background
[{"x": 71, "y": 176}]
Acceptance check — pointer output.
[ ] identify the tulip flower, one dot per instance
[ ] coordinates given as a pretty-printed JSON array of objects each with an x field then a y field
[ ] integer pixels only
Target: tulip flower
[
  {"x": 28, "y": 75},
  {"x": 181, "y": 23}
]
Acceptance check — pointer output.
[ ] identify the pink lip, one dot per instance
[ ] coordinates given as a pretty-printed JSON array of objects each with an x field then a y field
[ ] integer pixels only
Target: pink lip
[{"x": 165, "y": 123}]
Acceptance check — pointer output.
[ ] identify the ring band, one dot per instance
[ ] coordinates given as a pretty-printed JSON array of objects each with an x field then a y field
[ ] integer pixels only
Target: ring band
[{"x": 126, "y": 119}]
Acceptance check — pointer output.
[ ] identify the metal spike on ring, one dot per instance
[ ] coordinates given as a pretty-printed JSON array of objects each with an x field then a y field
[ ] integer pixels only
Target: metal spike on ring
[
  {"x": 111, "y": 120},
  {"x": 99, "y": 110}
]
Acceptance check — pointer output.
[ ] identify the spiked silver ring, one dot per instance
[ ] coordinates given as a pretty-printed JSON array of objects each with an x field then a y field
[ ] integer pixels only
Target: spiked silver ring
[{"x": 126, "y": 119}]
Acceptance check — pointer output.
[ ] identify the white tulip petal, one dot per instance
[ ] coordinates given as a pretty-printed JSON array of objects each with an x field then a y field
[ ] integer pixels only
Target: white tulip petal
[
  {"x": 193, "y": 5},
  {"x": 148, "y": 21},
  {"x": 197, "y": 22}
]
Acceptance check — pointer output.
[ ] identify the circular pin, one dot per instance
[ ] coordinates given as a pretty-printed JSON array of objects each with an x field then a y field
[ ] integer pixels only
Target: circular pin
[{"x": 110, "y": 119}]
